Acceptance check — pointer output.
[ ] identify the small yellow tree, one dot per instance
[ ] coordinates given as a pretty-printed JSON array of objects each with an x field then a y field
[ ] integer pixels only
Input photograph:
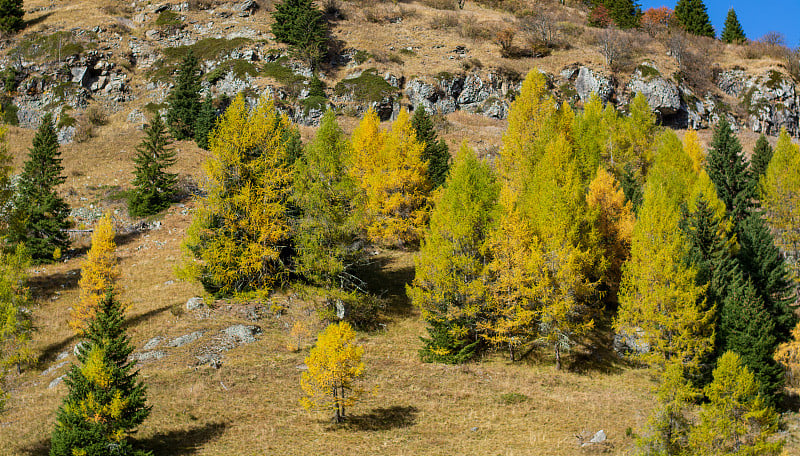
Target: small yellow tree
[
  {"x": 334, "y": 365},
  {"x": 98, "y": 274}
]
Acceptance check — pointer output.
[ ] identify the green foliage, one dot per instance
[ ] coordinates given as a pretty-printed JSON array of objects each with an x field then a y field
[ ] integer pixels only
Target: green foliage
[
  {"x": 747, "y": 329},
  {"x": 736, "y": 420},
  {"x": 6, "y": 189},
  {"x": 168, "y": 19},
  {"x": 205, "y": 49},
  {"x": 436, "y": 152},
  {"x": 15, "y": 317},
  {"x": 732, "y": 31},
  {"x": 728, "y": 170},
  {"x": 513, "y": 398},
  {"x": 367, "y": 87},
  {"x": 105, "y": 402},
  {"x": 762, "y": 154},
  {"x": 284, "y": 75},
  {"x": 55, "y": 46},
  {"x": 206, "y": 120},
  {"x": 9, "y": 111},
  {"x": 667, "y": 431},
  {"x": 625, "y": 13},
  {"x": 300, "y": 24},
  {"x": 40, "y": 214},
  {"x": 448, "y": 285},
  {"x": 9, "y": 76},
  {"x": 11, "y": 13},
  {"x": 154, "y": 186},
  {"x": 240, "y": 235},
  {"x": 240, "y": 69},
  {"x": 184, "y": 99},
  {"x": 324, "y": 193},
  {"x": 316, "y": 88},
  {"x": 692, "y": 14}
]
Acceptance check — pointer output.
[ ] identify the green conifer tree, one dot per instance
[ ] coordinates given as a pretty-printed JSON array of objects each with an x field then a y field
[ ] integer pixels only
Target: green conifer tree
[
  {"x": 625, "y": 13},
  {"x": 728, "y": 170},
  {"x": 762, "y": 263},
  {"x": 692, "y": 14},
  {"x": 300, "y": 24},
  {"x": 732, "y": 32},
  {"x": 184, "y": 99},
  {"x": 11, "y": 14},
  {"x": 747, "y": 328},
  {"x": 106, "y": 401},
  {"x": 40, "y": 214},
  {"x": 436, "y": 152},
  {"x": 449, "y": 285},
  {"x": 762, "y": 155},
  {"x": 206, "y": 120},
  {"x": 324, "y": 193},
  {"x": 154, "y": 185}
]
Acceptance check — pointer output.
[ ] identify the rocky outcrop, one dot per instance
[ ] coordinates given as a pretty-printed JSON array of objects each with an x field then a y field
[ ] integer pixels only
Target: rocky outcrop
[
  {"x": 663, "y": 96},
  {"x": 586, "y": 82},
  {"x": 489, "y": 94}
]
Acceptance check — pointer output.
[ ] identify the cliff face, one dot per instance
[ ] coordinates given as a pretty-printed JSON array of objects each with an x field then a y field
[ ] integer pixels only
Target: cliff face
[{"x": 129, "y": 67}]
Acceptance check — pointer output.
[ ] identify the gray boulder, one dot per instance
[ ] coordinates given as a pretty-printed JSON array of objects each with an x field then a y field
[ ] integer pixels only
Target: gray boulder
[
  {"x": 56, "y": 382},
  {"x": 186, "y": 339},
  {"x": 195, "y": 303},
  {"x": 243, "y": 334},
  {"x": 631, "y": 342},
  {"x": 663, "y": 96},
  {"x": 153, "y": 343},
  {"x": 148, "y": 355},
  {"x": 587, "y": 83}
]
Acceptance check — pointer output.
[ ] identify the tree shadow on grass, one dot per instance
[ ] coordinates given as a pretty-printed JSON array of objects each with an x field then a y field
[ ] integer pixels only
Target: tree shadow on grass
[
  {"x": 596, "y": 352},
  {"x": 389, "y": 283},
  {"x": 384, "y": 419},
  {"x": 182, "y": 442},
  {"x": 171, "y": 443},
  {"x": 45, "y": 285},
  {"x": 133, "y": 321}
]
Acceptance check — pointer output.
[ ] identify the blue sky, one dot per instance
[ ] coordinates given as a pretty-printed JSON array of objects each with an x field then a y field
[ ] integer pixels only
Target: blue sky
[{"x": 756, "y": 16}]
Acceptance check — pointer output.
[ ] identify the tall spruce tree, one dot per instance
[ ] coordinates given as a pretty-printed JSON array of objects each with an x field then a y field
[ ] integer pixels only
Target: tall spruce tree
[
  {"x": 728, "y": 170},
  {"x": 732, "y": 32},
  {"x": 747, "y": 328},
  {"x": 184, "y": 99},
  {"x": 154, "y": 185},
  {"x": 302, "y": 25},
  {"x": 692, "y": 14},
  {"x": 436, "y": 152},
  {"x": 762, "y": 154},
  {"x": 11, "y": 13},
  {"x": 762, "y": 263},
  {"x": 625, "y": 13},
  {"x": 40, "y": 214},
  {"x": 106, "y": 401},
  {"x": 206, "y": 119}
]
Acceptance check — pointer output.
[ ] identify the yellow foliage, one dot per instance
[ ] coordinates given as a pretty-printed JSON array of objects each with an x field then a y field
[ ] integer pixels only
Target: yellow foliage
[
  {"x": 392, "y": 175},
  {"x": 240, "y": 228},
  {"x": 693, "y": 148},
  {"x": 615, "y": 223},
  {"x": 98, "y": 274},
  {"x": 297, "y": 334},
  {"x": 334, "y": 365},
  {"x": 788, "y": 355}
]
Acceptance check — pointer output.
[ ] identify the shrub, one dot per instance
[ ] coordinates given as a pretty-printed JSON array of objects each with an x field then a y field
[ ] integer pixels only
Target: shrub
[
  {"x": 11, "y": 13},
  {"x": 441, "y": 4},
  {"x": 600, "y": 17},
  {"x": 168, "y": 19},
  {"x": 96, "y": 115},
  {"x": 445, "y": 20},
  {"x": 367, "y": 87},
  {"x": 301, "y": 25}
]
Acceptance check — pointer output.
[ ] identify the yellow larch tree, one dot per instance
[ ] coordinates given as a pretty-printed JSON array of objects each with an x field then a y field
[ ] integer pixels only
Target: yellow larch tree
[
  {"x": 780, "y": 197},
  {"x": 241, "y": 228},
  {"x": 334, "y": 366},
  {"x": 98, "y": 274},
  {"x": 615, "y": 222},
  {"x": 659, "y": 299},
  {"x": 394, "y": 181}
]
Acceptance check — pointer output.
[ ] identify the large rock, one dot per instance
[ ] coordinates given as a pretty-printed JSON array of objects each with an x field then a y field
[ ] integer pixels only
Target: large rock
[
  {"x": 186, "y": 339},
  {"x": 662, "y": 95},
  {"x": 148, "y": 355},
  {"x": 587, "y": 82},
  {"x": 195, "y": 303},
  {"x": 243, "y": 334},
  {"x": 631, "y": 342}
]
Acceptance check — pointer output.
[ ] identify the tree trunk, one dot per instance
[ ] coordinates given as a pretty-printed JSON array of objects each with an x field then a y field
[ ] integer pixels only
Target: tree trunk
[
  {"x": 337, "y": 416},
  {"x": 558, "y": 359}
]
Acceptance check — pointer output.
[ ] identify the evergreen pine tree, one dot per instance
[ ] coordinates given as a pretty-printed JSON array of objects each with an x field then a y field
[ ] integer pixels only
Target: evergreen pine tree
[
  {"x": 11, "y": 14},
  {"x": 762, "y": 154},
  {"x": 206, "y": 120},
  {"x": 436, "y": 152},
  {"x": 762, "y": 263},
  {"x": 732, "y": 31},
  {"x": 299, "y": 23},
  {"x": 692, "y": 14},
  {"x": 106, "y": 402},
  {"x": 154, "y": 185},
  {"x": 747, "y": 328},
  {"x": 184, "y": 99},
  {"x": 324, "y": 192},
  {"x": 626, "y": 13},
  {"x": 40, "y": 214},
  {"x": 728, "y": 170}
]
